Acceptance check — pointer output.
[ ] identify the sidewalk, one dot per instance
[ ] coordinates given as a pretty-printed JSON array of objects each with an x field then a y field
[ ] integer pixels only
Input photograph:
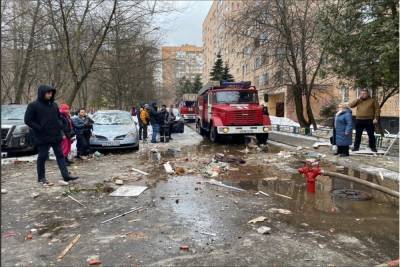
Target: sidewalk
[{"x": 386, "y": 166}]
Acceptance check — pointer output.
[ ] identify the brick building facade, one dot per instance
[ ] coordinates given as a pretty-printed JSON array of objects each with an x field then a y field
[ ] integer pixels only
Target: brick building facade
[
  {"x": 247, "y": 61},
  {"x": 178, "y": 62}
]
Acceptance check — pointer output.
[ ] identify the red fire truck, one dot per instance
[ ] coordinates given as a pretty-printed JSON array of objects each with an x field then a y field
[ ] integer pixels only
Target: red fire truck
[
  {"x": 231, "y": 108},
  {"x": 187, "y": 107}
]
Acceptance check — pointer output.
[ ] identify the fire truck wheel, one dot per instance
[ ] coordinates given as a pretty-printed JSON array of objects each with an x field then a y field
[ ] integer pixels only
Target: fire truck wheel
[
  {"x": 214, "y": 136},
  {"x": 199, "y": 130},
  {"x": 262, "y": 138}
]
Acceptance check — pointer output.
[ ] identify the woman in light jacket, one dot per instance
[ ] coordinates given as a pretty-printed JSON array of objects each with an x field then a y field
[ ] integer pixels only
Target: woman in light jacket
[{"x": 343, "y": 130}]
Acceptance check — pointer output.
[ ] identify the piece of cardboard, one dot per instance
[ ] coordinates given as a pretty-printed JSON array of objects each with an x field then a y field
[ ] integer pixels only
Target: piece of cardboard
[{"x": 128, "y": 191}]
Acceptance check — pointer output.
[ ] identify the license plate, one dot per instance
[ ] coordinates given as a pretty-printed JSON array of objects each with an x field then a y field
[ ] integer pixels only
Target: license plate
[
  {"x": 111, "y": 143},
  {"x": 246, "y": 131}
]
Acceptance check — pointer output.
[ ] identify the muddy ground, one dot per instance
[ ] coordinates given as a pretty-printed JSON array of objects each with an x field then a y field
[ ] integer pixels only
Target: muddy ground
[{"x": 184, "y": 210}]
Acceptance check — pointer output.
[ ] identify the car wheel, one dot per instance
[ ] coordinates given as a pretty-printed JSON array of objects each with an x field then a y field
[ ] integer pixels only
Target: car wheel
[
  {"x": 262, "y": 138},
  {"x": 136, "y": 148},
  {"x": 214, "y": 136},
  {"x": 199, "y": 130}
]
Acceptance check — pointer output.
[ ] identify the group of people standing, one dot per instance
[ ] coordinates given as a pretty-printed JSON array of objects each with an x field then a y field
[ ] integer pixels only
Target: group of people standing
[
  {"x": 161, "y": 121},
  {"x": 367, "y": 116},
  {"x": 54, "y": 127}
]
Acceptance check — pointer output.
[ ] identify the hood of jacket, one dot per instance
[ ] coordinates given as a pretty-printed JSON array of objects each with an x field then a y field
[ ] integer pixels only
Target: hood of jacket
[{"x": 42, "y": 90}]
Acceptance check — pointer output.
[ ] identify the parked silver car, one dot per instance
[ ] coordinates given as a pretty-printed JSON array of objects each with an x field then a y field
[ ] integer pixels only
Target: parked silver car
[{"x": 114, "y": 129}]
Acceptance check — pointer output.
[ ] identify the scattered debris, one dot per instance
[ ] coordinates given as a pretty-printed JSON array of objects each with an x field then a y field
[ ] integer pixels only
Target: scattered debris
[
  {"x": 177, "y": 201},
  {"x": 128, "y": 191},
  {"x": 136, "y": 235},
  {"x": 139, "y": 171},
  {"x": 282, "y": 211},
  {"x": 67, "y": 248},
  {"x": 123, "y": 214},
  {"x": 284, "y": 154},
  {"x": 205, "y": 233},
  {"x": 9, "y": 234},
  {"x": 179, "y": 170},
  {"x": 228, "y": 159},
  {"x": 94, "y": 260},
  {"x": 304, "y": 224},
  {"x": 318, "y": 144},
  {"x": 63, "y": 183},
  {"x": 262, "y": 193},
  {"x": 97, "y": 154},
  {"x": 219, "y": 183},
  {"x": 270, "y": 179},
  {"x": 339, "y": 168},
  {"x": 381, "y": 176},
  {"x": 155, "y": 155},
  {"x": 119, "y": 182},
  {"x": 366, "y": 152},
  {"x": 283, "y": 196},
  {"x": 216, "y": 168},
  {"x": 299, "y": 148},
  {"x": 173, "y": 151},
  {"x": 76, "y": 200},
  {"x": 313, "y": 154},
  {"x": 258, "y": 219},
  {"x": 264, "y": 230},
  {"x": 168, "y": 168},
  {"x": 29, "y": 236},
  {"x": 184, "y": 247},
  {"x": 4, "y": 191}
]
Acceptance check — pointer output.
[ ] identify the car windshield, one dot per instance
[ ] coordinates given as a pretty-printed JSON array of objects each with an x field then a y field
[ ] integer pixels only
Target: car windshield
[
  {"x": 112, "y": 118},
  {"x": 190, "y": 104},
  {"x": 236, "y": 97},
  {"x": 11, "y": 112}
]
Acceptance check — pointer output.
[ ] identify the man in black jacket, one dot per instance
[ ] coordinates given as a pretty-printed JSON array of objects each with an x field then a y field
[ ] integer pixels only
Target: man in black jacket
[
  {"x": 154, "y": 121},
  {"x": 43, "y": 117}
]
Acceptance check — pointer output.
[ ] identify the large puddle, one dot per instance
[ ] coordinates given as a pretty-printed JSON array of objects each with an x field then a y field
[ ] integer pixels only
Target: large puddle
[{"x": 374, "y": 221}]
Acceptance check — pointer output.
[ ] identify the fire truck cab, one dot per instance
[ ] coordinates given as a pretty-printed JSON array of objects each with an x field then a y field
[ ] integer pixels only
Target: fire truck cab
[
  {"x": 187, "y": 107},
  {"x": 231, "y": 108}
]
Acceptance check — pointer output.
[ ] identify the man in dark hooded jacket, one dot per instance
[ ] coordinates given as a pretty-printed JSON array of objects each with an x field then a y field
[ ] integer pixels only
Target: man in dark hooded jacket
[
  {"x": 154, "y": 121},
  {"x": 43, "y": 117}
]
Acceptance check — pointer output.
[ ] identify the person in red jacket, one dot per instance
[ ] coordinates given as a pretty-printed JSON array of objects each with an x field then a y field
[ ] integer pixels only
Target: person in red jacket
[{"x": 68, "y": 131}]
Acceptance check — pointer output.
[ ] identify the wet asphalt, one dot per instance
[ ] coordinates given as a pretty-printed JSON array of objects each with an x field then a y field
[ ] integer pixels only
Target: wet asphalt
[{"x": 187, "y": 222}]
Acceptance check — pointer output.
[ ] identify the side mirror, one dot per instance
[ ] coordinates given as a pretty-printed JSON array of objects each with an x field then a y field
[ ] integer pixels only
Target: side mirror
[{"x": 265, "y": 97}]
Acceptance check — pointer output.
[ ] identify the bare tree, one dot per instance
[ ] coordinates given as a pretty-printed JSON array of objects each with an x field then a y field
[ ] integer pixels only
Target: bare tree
[
  {"x": 287, "y": 32},
  {"x": 69, "y": 20},
  {"x": 21, "y": 79}
]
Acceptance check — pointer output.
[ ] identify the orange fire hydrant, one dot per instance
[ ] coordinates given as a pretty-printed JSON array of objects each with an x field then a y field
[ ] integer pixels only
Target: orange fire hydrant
[{"x": 310, "y": 170}]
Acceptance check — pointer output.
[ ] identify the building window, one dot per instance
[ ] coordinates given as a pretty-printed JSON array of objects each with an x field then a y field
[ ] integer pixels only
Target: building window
[
  {"x": 280, "y": 53},
  {"x": 279, "y": 77},
  {"x": 264, "y": 79},
  {"x": 263, "y": 37},
  {"x": 345, "y": 94},
  {"x": 247, "y": 50}
]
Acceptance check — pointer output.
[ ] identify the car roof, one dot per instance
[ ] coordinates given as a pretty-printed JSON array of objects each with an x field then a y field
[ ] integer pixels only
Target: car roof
[
  {"x": 111, "y": 111},
  {"x": 14, "y": 105}
]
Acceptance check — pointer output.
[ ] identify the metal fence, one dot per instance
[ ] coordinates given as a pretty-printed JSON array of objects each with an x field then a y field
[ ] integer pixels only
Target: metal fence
[{"x": 381, "y": 142}]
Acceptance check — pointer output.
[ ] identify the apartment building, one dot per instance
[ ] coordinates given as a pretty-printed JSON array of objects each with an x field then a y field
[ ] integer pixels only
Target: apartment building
[
  {"x": 178, "y": 62},
  {"x": 248, "y": 60}
]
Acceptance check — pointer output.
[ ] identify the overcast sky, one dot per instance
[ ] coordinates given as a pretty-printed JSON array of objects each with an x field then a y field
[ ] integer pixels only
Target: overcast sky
[{"x": 185, "y": 26}]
